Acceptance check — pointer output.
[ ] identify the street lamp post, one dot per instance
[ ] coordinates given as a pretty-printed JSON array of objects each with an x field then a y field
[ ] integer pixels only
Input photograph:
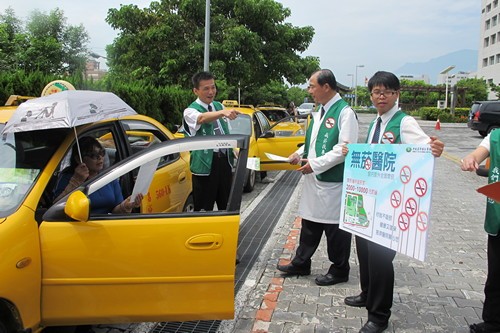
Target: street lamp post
[
  {"x": 445, "y": 73},
  {"x": 207, "y": 37},
  {"x": 356, "y": 85},
  {"x": 352, "y": 84}
]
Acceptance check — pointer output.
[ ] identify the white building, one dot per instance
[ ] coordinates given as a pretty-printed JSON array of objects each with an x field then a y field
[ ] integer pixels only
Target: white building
[
  {"x": 454, "y": 77},
  {"x": 489, "y": 46}
]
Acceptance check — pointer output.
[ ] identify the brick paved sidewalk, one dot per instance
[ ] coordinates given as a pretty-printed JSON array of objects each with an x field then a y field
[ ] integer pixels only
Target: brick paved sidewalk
[{"x": 443, "y": 294}]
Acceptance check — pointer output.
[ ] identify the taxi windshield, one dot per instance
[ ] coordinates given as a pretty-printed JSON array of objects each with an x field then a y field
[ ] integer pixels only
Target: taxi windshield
[{"x": 23, "y": 158}]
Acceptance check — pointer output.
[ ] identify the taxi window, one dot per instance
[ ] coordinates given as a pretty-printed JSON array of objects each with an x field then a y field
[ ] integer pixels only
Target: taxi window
[
  {"x": 24, "y": 157},
  {"x": 141, "y": 135},
  {"x": 106, "y": 139},
  {"x": 264, "y": 123}
]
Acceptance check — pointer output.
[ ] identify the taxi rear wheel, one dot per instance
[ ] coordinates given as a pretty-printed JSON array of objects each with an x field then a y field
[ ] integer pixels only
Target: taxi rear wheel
[
  {"x": 189, "y": 205},
  {"x": 249, "y": 181}
]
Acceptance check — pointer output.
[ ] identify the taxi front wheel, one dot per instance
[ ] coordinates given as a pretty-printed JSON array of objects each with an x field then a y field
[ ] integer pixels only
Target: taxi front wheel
[{"x": 249, "y": 181}]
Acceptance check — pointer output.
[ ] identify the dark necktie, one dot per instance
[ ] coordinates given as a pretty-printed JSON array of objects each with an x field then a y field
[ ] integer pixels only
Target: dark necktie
[
  {"x": 376, "y": 134},
  {"x": 322, "y": 112},
  {"x": 217, "y": 130}
]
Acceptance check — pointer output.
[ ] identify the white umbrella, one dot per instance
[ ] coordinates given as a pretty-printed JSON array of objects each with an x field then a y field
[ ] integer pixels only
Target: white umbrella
[{"x": 68, "y": 108}]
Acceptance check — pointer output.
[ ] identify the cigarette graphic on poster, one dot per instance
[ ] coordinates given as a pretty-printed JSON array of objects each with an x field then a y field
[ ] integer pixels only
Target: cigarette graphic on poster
[{"x": 387, "y": 194}]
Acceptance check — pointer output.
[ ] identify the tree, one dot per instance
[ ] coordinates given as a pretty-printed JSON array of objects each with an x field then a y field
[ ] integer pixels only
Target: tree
[
  {"x": 45, "y": 44},
  {"x": 251, "y": 44},
  {"x": 475, "y": 90},
  {"x": 10, "y": 40}
]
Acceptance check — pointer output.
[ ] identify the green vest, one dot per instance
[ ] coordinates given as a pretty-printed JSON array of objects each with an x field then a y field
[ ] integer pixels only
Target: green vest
[
  {"x": 392, "y": 132},
  {"x": 201, "y": 160},
  {"x": 492, "y": 220},
  {"x": 327, "y": 138}
]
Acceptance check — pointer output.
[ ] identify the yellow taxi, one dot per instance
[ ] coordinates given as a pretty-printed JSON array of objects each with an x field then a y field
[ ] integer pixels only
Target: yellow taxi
[
  {"x": 263, "y": 139},
  {"x": 63, "y": 265},
  {"x": 279, "y": 115}
]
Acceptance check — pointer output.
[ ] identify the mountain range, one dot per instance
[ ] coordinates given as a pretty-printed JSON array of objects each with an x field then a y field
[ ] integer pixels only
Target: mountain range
[{"x": 464, "y": 61}]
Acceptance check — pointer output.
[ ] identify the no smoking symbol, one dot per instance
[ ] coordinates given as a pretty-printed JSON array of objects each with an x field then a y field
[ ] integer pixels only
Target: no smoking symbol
[
  {"x": 368, "y": 164},
  {"x": 330, "y": 122},
  {"x": 395, "y": 199},
  {"x": 403, "y": 222},
  {"x": 411, "y": 207},
  {"x": 405, "y": 174},
  {"x": 422, "y": 221},
  {"x": 421, "y": 187},
  {"x": 388, "y": 137}
]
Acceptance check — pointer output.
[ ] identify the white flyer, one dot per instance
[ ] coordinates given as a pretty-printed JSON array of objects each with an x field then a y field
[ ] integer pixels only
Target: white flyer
[{"x": 144, "y": 178}]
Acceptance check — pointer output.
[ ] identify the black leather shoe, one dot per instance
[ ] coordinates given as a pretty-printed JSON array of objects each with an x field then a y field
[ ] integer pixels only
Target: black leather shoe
[
  {"x": 329, "y": 280},
  {"x": 483, "y": 328},
  {"x": 359, "y": 300},
  {"x": 290, "y": 269},
  {"x": 371, "y": 327}
]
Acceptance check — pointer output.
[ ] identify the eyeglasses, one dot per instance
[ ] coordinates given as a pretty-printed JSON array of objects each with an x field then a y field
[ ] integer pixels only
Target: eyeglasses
[
  {"x": 386, "y": 93},
  {"x": 95, "y": 155}
]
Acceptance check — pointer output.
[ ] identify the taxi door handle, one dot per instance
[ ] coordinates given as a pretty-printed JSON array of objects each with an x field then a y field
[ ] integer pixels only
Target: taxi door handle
[
  {"x": 204, "y": 242},
  {"x": 182, "y": 177}
]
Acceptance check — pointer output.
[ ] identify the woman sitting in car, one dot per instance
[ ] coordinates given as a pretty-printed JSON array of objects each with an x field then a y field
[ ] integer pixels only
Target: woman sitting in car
[{"x": 106, "y": 200}]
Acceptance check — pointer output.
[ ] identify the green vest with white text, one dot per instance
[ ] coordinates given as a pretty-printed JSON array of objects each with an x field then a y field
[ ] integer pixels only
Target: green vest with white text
[
  {"x": 392, "y": 132},
  {"x": 327, "y": 138},
  {"x": 201, "y": 160}
]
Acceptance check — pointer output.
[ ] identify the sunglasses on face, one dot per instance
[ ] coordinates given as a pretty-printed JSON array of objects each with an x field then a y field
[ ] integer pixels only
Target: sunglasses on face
[{"x": 95, "y": 155}]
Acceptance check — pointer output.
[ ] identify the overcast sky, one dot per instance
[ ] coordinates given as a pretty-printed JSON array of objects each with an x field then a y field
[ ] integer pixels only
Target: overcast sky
[{"x": 381, "y": 35}]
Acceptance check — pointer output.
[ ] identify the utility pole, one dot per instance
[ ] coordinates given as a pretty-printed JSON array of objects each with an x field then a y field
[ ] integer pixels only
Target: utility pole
[{"x": 207, "y": 37}]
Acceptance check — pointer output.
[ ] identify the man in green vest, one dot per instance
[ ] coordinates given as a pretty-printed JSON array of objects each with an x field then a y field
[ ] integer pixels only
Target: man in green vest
[
  {"x": 490, "y": 146},
  {"x": 391, "y": 126},
  {"x": 211, "y": 169},
  {"x": 332, "y": 124}
]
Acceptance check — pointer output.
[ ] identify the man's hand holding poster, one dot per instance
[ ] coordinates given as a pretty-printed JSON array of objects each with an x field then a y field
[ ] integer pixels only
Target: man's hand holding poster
[{"x": 387, "y": 195}]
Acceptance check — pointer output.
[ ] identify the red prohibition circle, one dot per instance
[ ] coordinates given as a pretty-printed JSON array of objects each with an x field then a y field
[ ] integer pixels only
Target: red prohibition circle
[
  {"x": 396, "y": 199},
  {"x": 368, "y": 164},
  {"x": 421, "y": 187},
  {"x": 411, "y": 207},
  {"x": 388, "y": 137},
  {"x": 403, "y": 222},
  {"x": 422, "y": 221},
  {"x": 405, "y": 174},
  {"x": 329, "y": 122}
]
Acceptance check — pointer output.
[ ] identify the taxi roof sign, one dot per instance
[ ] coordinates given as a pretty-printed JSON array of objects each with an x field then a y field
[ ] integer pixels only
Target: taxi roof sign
[{"x": 230, "y": 102}]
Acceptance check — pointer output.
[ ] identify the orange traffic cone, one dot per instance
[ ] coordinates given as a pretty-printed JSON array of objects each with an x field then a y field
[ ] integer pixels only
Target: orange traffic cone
[{"x": 438, "y": 125}]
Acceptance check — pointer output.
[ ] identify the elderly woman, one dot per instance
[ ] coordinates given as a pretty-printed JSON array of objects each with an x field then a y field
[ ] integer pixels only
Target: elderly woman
[{"x": 108, "y": 199}]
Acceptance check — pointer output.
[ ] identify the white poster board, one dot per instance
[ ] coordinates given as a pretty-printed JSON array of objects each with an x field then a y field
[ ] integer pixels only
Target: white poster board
[{"x": 386, "y": 196}]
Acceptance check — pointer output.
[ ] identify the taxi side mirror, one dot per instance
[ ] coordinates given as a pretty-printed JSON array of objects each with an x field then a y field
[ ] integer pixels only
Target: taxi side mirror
[
  {"x": 78, "y": 206},
  {"x": 268, "y": 134}
]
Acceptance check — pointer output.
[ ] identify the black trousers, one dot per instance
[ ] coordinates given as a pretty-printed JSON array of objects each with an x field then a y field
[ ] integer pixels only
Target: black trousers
[
  {"x": 491, "y": 307},
  {"x": 338, "y": 246},
  {"x": 215, "y": 187},
  {"x": 376, "y": 278}
]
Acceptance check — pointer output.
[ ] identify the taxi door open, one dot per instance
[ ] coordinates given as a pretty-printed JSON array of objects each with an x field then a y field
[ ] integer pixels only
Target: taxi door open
[{"x": 141, "y": 267}]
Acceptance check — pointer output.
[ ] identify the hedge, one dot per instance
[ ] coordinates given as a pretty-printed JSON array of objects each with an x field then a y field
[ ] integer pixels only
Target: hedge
[{"x": 433, "y": 113}]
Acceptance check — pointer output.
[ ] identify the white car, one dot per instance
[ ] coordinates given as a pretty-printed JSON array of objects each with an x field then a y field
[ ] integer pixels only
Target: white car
[{"x": 305, "y": 108}]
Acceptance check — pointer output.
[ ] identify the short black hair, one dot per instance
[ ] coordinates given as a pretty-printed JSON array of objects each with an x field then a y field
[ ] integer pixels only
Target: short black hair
[
  {"x": 201, "y": 76},
  {"x": 87, "y": 145},
  {"x": 385, "y": 79},
  {"x": 326, "y": 76}
]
